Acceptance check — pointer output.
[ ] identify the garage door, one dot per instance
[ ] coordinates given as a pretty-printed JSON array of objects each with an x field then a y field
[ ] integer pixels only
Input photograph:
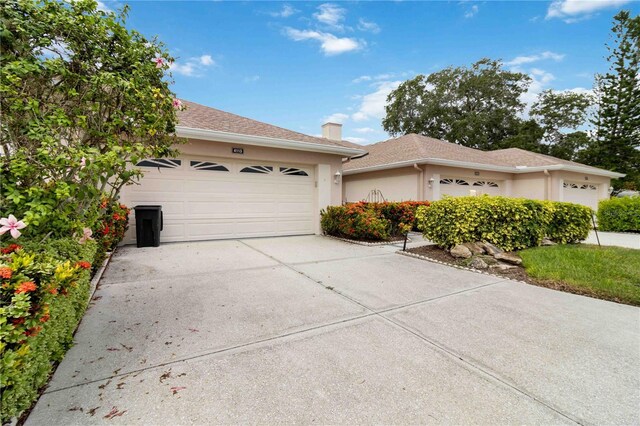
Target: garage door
[
  {"x": 460, "y": 187},
  {"x": 581, "y": 193},
  {"x": 206, "y": 199}
]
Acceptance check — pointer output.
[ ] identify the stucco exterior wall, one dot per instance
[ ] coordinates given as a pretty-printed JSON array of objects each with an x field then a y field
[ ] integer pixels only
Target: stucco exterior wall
[
  {"x": 395, "y": 184},
  {"x": 530, "y": 185}
]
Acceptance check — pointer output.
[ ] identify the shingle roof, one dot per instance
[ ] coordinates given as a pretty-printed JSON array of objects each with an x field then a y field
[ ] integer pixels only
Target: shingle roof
[
  {"x": 203, "y": 117},
  {"x": 418, "y": 148}
]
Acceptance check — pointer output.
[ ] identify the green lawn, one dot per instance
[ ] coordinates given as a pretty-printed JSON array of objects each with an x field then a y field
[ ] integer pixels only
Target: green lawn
[{"x": 610, "y": 273}]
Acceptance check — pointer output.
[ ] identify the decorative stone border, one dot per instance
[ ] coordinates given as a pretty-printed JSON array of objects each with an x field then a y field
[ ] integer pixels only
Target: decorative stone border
[
  {"x": 365, "y": 243},
  {"x": 464, "y": 268}
]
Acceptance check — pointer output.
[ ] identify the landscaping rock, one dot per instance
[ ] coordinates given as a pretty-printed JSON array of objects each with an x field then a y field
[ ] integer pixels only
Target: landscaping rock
[
  {"x": 547, "y": 242},
  {"x": 509, "y": 258},
  {"x": 503, "y": 266},
  {"x": 474, "y": 248},
  {"x": 491, "y": 249},
  {"x": 478, "y": 263},
  {"x": 461, "y": 251}
]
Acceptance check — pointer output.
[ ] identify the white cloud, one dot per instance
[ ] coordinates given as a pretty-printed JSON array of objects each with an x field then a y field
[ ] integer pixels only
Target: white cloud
[
  {"x": 364, "y": 25},
  {"x": 519, "y": 60},
  {"x": 329, "y": 43},
  {"x": 361, "y": 79},
  {"x": 356, "y": 140},
  {"x": 103, "y": 7},
  {"x": 330, "y": 14},
  {"x": 540, "y": 81},
  {"x": 364, "y": 130},
  {"x": 252, "y": 79},
  {"x": 337, "y": 117},
  {"x": 186, "y": 69},
  {"x": 285, "y": 12},
  {"x": 372, "y": 104},
  {"x": 206, "y": 60},
  {"x": 192, "y": 67},
  {"x": 576, "y": 10},
  {"x": 472, "y": 11}
]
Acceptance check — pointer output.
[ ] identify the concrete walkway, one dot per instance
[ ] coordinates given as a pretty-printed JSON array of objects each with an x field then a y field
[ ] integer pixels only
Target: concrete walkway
[{"x": 314, "y": 330}]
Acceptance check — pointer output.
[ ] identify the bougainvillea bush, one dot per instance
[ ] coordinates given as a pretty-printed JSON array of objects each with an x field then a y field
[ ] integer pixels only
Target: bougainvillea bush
[
  {"x": 370, "y": 221},
  {"x": 44, "y": 291}
]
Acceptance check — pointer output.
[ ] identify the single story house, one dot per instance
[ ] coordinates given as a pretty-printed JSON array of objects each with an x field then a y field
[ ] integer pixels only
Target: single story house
[
  {"x": 416, "y": 167},
  {"x": 236, "y": 177}
]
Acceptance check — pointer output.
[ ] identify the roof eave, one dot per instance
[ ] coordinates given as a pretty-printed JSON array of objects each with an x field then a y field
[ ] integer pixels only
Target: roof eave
[
  {"x": 480, "y": 166},
  {"x": 227, "y": 137}
]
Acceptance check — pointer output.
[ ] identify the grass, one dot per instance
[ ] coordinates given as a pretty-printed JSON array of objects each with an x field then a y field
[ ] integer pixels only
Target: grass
[{"x": 611, "y": 273}]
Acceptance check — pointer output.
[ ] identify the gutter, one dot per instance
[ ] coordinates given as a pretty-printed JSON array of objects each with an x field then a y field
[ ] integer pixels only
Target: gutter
[
  {"x": 487, "y": 167},
  {"x": 218, "y": 136}
]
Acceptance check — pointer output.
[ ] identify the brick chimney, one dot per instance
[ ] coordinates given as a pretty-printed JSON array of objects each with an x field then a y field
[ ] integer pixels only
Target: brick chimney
[{"x": 332, "y": 131}]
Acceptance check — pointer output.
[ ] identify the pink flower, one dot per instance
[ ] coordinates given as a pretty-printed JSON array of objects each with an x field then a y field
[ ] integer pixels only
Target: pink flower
[
  {"x": 160, "y": 62},
  {"x": 12, "y": 225},
  {"x": 177, "y": 104},
  {"x": 83, "y": 163},
  {"x": 86, "y": 235}
]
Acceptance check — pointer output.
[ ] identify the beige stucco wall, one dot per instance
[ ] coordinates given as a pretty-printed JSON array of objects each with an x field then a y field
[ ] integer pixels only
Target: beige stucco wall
[
  {"x": 395, "y": 184},
  {"x": 534, "y": 186}
]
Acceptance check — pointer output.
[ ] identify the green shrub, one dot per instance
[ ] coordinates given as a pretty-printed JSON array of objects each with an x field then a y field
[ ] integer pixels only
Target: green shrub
[
  {"x": 44, "y": 291},
  {"x": 111, "y": 227},
  {"x": 370, "y": 221},
  {"x": 619, "y": 214},
  {"x": 509, "y": 223},
  {"x": 568, "y": 222}
]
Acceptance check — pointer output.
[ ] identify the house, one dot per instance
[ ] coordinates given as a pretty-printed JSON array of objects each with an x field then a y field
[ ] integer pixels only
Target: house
[
  {"x": 237, "y": 177},
  {"x": 416, "y": 167}
]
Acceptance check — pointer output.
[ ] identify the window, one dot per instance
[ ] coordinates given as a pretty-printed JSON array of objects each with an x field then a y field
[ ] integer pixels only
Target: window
[
  {"x": 205, "y": 165},
  {"x": 462, "y": 182},
  {"x": 167, "y": 163},
  {"x": 257, "y": 169},
  {"x": 570, "y": 185},
  {"x": 587, "y": 186},
  {"x": 448, "y": 181},
  {"x": 485, "y": 183},
  {"x": 292, "y": 171}
]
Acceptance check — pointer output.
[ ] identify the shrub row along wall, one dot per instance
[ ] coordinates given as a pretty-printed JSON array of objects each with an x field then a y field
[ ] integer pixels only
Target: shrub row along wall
[
  {"x": 44, "y": 291},
  {"x": 370, "y": 221},
  {"x": 509, "y": 223},
  {"x": 619, "y": 215}
]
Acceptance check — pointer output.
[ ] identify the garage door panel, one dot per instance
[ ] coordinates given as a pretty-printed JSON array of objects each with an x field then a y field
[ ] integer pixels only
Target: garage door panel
[
  {"x": 202, "y": 204},
  {"x": 581, "y": 193}
]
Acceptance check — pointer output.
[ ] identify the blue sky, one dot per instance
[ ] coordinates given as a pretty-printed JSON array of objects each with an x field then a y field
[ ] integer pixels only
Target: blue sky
[{"x": 297, "y": 64}]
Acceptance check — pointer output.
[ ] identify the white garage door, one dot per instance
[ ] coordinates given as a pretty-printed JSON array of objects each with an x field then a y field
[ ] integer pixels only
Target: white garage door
[
  {"x": 581, "y": 193},
  {"x": 460, "y": 187},
  {"x": 206, "y": 199}
]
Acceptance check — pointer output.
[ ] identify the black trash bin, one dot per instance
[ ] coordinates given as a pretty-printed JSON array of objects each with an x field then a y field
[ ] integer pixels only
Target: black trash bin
[{"x": 148, "y": 225}]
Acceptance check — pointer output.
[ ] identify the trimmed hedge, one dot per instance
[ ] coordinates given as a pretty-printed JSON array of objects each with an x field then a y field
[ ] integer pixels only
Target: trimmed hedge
[
  {"x": 509, "y": 223},
  {"x": 619, "y": 214},
  {"x": 44, "y": 290},
  {"x": 370, "y": 221}
]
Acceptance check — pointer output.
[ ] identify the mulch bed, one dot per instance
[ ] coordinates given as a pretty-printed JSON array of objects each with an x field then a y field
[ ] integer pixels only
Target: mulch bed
[{"x": 518, "y": 273}]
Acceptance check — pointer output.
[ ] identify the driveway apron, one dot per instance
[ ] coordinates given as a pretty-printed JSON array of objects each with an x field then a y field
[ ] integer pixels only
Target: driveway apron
[{"x": 315, "y": 330}]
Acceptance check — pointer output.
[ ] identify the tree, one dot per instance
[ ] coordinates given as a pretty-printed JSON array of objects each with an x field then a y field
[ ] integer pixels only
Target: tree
[
  {"x": 476, "y": 107},
  {"x": 81, "y": 98},
  {"x": 556, "y": 112},
  {"x": 617, "y": 125}
]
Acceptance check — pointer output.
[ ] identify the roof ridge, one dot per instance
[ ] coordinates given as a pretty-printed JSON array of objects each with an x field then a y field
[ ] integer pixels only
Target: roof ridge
[{"x": 337, "y": 143}]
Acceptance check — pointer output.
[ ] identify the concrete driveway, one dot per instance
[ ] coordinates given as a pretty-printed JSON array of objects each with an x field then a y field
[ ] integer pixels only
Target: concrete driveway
[{"x": 315, "y": 330}]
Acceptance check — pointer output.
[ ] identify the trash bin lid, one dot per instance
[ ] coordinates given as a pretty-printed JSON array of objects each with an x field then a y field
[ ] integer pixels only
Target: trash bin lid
[{"x": 148, "y": 207}]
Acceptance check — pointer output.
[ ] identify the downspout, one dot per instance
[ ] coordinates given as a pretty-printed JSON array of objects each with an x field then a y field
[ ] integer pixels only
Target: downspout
[
  {"x": 421, "y": 194},
  {"x": 547, "y": 185}
]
